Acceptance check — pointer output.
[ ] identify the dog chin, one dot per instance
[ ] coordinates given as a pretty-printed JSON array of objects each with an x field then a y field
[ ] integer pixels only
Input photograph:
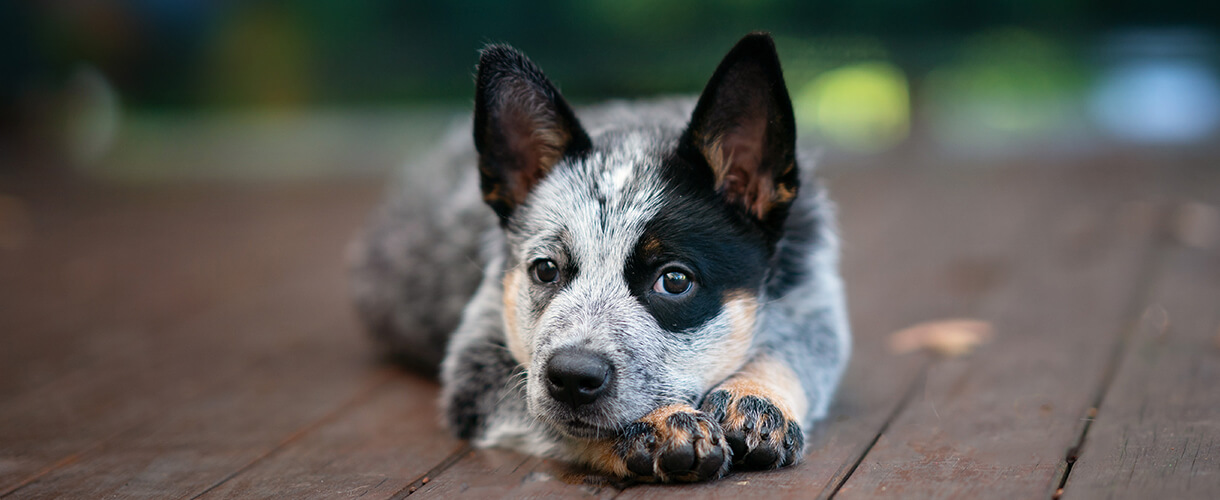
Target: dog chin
[
  {"x": 574, "y": 426},
  {"x": 583, "y": 430}
]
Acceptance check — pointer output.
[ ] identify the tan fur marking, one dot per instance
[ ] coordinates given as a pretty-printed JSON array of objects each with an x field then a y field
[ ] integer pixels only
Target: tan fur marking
[
  {"x": 784, "y": 193},
  {"x": 659, "y": 419},
  {"x": 516, "y": 346},
  {"x": 716, "y": 158},
  {"x": 773, "y": 380},
  {"x": 651, "y": 245},
  {"x": 762, "y": 190},
  {"x": 658, "y": 416},
  {"x": 495, "y": 195},
  {"x": 730, "y": 355},
  {"x": 601, "y": 456}
]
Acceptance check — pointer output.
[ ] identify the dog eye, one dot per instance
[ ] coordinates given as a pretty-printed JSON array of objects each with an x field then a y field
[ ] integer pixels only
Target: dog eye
[
  {"x": 545, "y": 271},
  {"x": 672, "y": 283}
]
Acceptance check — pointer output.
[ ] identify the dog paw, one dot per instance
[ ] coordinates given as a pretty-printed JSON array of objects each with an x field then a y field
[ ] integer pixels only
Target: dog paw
[
  {"x": 674, "y": 444},
  {"x": 757, "y": 430}
]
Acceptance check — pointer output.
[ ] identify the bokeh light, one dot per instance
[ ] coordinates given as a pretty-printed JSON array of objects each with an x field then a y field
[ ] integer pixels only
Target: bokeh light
[
  {"x": 1158, "y": 101},
  {"x": 861, "y": 107}
]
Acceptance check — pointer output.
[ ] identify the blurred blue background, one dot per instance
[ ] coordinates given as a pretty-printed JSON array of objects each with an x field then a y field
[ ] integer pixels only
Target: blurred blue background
[{"x": 139, "y": 90}]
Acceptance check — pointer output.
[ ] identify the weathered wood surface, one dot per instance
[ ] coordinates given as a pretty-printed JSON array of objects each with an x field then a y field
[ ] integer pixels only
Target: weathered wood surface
[
  {"x": 1157, "y": 430},
  {"x": 197, "y": 342},
  {"x": 995, "y": 424}
]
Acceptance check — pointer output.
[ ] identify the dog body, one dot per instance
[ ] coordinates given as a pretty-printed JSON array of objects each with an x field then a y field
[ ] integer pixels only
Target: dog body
[{"x": 649, "y": 294}]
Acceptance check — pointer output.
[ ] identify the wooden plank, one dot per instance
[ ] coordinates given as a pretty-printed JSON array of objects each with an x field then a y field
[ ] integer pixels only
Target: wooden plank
[
  {"x": 374, "y": 450},
  {"x": 88, "y": 407},
  {"x": 123, "y": 390},
  {"x": 74, "y": 320},
  {"x": 255, "y": 396},
  {"x": 1157, "y": 433},
  {"x": 98, "y": 268},
  {"x": 997, "y": 424},
  {"x": 504, "y": 474}
]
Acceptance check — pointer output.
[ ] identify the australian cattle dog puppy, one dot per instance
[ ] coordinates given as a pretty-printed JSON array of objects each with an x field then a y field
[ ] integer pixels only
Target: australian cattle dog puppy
[{"x": 647, "y": 288}]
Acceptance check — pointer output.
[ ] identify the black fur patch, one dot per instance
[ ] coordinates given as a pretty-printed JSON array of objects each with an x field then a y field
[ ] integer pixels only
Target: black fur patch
[
  {"x": 794, "y": 444},
  {"x": 717, "y": 404},
  {"x": 698, "y": 231}
]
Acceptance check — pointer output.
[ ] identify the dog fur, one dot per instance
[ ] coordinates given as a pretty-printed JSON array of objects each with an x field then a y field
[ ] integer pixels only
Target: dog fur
[{"x": 664, "y": 250}]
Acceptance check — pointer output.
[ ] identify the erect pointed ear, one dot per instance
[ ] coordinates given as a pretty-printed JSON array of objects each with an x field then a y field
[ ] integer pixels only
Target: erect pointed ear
[
  {"x": 522, "y": 127},
  {"x": 743, "y": 128}
]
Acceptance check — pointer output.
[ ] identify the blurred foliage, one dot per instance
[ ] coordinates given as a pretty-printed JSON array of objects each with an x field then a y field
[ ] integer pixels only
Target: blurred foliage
[
  {"x": 1004, "y": 84},
  {"x": 303, "y": 83},
  {"x": 207, "y": 53}
]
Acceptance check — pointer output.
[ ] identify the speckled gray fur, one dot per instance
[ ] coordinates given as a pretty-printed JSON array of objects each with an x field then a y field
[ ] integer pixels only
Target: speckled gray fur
[{"x": 427, "y": 281}]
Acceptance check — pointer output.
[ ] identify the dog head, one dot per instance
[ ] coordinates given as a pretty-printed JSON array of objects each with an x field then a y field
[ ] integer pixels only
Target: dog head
[{"x": 636, "y": 255}]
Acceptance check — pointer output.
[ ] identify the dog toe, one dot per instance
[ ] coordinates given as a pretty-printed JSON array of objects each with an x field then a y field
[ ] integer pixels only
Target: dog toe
[
  {"x": 679, "y": 446},
  {"x": 757, "y": 432}
]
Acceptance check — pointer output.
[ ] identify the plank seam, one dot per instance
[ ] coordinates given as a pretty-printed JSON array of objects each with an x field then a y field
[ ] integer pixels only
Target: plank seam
[
  {"x": 908, "y": 395},
  {"x": 445, "y": 464},
  {"x": 63, "y": 462},
  {"x": 1149, "y": 271},
  {"x": 367, "y": 392},
  {"x": 193, "y": 318}
]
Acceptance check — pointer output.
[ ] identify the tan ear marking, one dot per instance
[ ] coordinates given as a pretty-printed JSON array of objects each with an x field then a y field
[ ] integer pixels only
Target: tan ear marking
[
  {"x": 784, "y": 193},
  {"x": 738, "y": 173}
]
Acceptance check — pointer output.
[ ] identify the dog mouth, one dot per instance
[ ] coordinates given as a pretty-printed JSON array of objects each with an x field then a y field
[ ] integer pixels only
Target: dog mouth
[{"x": 581, "y": 429}]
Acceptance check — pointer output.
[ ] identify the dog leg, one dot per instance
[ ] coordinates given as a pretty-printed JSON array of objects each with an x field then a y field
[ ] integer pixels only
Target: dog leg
[{"x": 760, "y": 410}]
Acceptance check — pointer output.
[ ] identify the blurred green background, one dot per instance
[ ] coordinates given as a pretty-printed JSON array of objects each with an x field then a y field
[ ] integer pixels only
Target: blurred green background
[{"x": 166, "y": 89}]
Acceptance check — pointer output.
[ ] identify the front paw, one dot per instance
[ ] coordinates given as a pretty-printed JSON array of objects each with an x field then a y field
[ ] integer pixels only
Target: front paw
[
  {"x": 757, "y": 430},
  {"x": 674, "y": 443}
]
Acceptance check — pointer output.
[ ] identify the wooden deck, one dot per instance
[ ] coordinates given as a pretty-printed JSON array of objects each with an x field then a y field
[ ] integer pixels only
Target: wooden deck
[{"x": 198, "y": 342}]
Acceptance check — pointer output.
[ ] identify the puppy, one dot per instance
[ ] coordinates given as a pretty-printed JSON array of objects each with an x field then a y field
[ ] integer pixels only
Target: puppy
[{"x": 653, "y": 292}]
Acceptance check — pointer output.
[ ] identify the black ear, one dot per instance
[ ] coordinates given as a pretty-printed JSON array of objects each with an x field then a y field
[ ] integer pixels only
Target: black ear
[
  {"x": 522, "y": 127},
  {"x": 744, "y": 129}
]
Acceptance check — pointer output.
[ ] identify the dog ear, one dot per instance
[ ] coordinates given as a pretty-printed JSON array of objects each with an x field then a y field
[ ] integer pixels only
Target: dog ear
[
  {"x": 522, "y": 127},
  {"x": 743, "y": 128}
]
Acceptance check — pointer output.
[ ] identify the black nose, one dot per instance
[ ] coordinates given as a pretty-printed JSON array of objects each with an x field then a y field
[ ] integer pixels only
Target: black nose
[{"x": 577, "y": 377}]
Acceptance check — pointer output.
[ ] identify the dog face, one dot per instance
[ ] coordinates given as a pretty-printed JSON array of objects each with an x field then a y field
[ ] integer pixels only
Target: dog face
[{"x": 635, "y": 256}]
